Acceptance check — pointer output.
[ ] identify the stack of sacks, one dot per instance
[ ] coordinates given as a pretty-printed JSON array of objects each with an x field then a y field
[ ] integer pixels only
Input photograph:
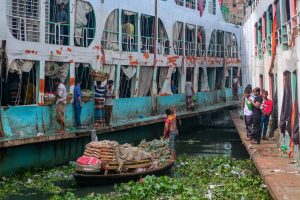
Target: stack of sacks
[{"x": 104, "y": 150}]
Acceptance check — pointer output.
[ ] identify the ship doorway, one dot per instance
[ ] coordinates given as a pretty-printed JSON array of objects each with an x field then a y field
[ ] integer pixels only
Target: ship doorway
[
  {"x": 190, "y": 74},
  {"x": 19, "y": 88},
  {"x": 161, "y": 75},
  {"x": 200, "y": 79},
  {"x": 175, "y": 80},
  {"x": 145, "y": 81},
  {"x": 82, "y": 72},
  {"x": 219, "y": 78},
  {"x": 211, "y": 75},
  {"x": 127, "y": 81}
]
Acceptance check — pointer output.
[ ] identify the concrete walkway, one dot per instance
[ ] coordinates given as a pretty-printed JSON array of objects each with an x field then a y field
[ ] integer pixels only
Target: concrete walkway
[
  {"x": 121, "y": 125},
  {"x": 281, "y": 177}
]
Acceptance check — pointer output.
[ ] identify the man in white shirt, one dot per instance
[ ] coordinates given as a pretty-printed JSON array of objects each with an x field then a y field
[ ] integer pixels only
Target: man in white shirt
[
  {"x": 61, "y": 101},
  {"x": 189, "y": 93},
  {"x": 247, "y": 106}
]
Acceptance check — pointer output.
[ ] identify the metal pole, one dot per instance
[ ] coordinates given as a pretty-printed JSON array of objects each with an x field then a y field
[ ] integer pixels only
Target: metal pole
[{"x": 153, "y": 93}]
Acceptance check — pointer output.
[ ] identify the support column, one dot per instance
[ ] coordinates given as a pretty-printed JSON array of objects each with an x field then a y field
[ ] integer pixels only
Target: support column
[
  {"x": 72, "y": 76},
  {"x": 42, "y": 22},
  {"x": 117, "y": 82},
  {"x": 72, "y": 11},
  {"x": 120, "y": 30},
  {"x": 136, "y": 89},
  {"x": 41, "y": 83}
]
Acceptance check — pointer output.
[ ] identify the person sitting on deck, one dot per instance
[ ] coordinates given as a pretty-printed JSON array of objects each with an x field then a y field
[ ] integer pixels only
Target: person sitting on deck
[
  {"x": 170, "y": 129},
  {"x": 99, "y": 104}
]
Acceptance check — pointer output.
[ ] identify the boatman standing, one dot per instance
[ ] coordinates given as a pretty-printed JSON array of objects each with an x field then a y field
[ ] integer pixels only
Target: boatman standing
[
  {"x": 61, "y": 101},
  {"x": 170, "y": 129}
]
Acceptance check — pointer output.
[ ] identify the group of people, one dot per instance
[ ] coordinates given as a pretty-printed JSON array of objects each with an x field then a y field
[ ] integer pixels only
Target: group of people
[
  {"x": 257, "y": 108},
  {"x": 103, "y": 96}
]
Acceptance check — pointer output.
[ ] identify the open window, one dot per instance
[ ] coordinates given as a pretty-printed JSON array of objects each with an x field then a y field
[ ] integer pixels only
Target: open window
[
  {"x": 200, "y": 41},
  {"x": 23, "y": 18},
  {"x": 110, "y": 37},
  {"x": 57, "y": 22},
  {"x": 129, "y": 31},
  {"x": 201, "y": 6},
  {"x": 178, "y": 38},
  {"x": 212, "y": 48},
  {"x": 212, "y": 7},
  {"x": 234, "y": 46},
  {"x": 190, "y": 4},
  {"x": 201, "y": 79},
  {"x": 190, "y": 41},
  {"x": 55, "y": 70},
  {"x": 179, "y": 2},
  {"x": 269, "y": 16},
  {"x": 219, "y": 78},
  {"x": 85, "y": 24},
  {"x": 147, "y": 33},
  {"x": 175, "y": 80},
  {"x": 161, "y": 75},
  {"x": 211, "y": 76},
  {"x": 127, "y": 81},
  {"x": 82, "y": 72},
  {"x": 163, "y": 46},
  {"x": 145, "y": 81},
  {"x": 18, "y": 86},
  {"x": 220, "y": 44}
]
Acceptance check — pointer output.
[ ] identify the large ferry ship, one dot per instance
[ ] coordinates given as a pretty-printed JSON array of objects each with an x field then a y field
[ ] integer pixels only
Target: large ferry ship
[
  {"x": 270, "y": 54},
  {"x": 149, "y": 48}
]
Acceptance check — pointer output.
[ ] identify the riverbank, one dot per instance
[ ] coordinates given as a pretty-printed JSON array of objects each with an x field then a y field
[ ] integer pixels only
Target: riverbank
[{"x": 281, "y": 178}]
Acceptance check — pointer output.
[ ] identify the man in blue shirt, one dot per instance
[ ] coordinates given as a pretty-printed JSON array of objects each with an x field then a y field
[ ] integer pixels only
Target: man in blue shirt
[{"x": 77, "y": 102}]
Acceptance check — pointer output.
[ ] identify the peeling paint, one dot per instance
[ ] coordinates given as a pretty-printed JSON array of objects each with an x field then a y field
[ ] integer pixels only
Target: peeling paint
[{"x": 146, "y": 55}]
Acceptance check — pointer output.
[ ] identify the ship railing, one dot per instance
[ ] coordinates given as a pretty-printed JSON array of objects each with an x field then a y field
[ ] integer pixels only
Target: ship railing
[
  {"x": 110, "y": 40},
  {"x": 178, "y": 47},
  {"x": 216, "y": 50},
  {"x": 86, "y": 36},
  {"x": 57, "y": 33},
  {"x": 147, "y": 44},
  {"x": 163, "y": 46},
  {"x": 129, "y": 42},
  {"x": 190, "y": 48}
]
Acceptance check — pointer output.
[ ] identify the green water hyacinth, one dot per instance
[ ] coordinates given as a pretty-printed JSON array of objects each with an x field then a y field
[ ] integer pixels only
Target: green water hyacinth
[{"x": 192, "y": 178}]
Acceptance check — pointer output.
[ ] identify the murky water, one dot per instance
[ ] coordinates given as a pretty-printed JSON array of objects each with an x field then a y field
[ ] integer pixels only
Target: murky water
[{"x": 221, "y": 141}]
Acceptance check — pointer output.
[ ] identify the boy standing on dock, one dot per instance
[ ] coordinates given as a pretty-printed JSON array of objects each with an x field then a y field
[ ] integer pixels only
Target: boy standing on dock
[
  {"x": 170, "y": 129},
  {"x": 256, "y": 113},
  {"x": 247, "y": 106},
  {"x": 61, "y": 101},
  {"x": 99, "y": 104}
]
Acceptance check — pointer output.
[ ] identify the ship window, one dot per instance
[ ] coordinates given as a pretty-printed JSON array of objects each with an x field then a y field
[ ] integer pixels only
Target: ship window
[
  {"x": 24, "y": 19},
  {"x": 190, "y": 4},
  {"x": 19, "y": 86},
  {"x": 57, "y": 22},
  {"x": 190, "y": 41},
  {"x": 220, "y": 44},
  {"x": 231, "y": 46},
  {"x": 269, "y": 16},
  {"x": 228, "y": 80},
  {"x": 163, "y": 39},
  {"x": 175, "y": 80},
  {"x": 211, "y": 77},
  {"x": 179, "y": 2},
  {"x": 200, "y": 41},
  {"x": 145, "y": 81},
  {"x": 212, "y": 48},
  {"x": 82, "y": 72},
  {"x": 85, "y": 24},
  {"x": 110, "y": 37},
  {"x": 178, "y": 38},
  {"x": 201, "y": 79},
  {"x": 219, "y": 77},
  {"x": 259, "y": 38},
  {"x": 55, "y": 70},
  {"x": 234, "y": 46},
  {"x": 129, "y": 31},
  {"x": 190, "y": 74},
  {"x": 161, "y": 75},
  {"x": 127, "y": 81},
  {"x": 201, "y": 6},
  {"x": 147, "y": 33}
]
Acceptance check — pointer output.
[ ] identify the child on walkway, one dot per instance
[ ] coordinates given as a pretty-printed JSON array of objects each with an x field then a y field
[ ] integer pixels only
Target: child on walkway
[{"x": 170, "y": 129}]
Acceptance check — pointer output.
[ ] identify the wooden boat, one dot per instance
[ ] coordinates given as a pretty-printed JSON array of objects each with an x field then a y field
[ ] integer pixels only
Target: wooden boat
[{"x": 86, "y": 179}]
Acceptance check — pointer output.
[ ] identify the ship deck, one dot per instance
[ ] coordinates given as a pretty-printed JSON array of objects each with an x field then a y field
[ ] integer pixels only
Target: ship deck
[{"x": 117, "y": 126}]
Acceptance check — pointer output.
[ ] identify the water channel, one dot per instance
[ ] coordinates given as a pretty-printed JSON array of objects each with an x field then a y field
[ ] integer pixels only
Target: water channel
[{"x": 203, "y": 142}]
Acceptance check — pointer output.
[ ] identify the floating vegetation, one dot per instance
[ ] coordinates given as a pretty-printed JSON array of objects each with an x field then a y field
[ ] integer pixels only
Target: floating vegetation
[{"x": 192, "y": 178}]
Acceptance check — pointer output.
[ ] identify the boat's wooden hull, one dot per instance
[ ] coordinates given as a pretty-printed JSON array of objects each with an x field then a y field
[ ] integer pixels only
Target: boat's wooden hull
[{"x": 96, "y": 179}]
